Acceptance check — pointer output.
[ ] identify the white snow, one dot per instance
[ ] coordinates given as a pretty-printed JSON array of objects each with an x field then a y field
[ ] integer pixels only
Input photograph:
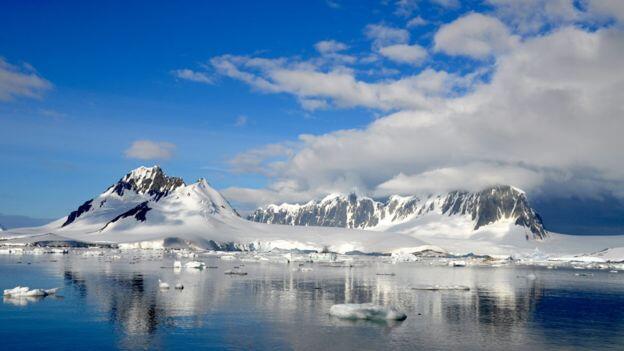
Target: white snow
[
  {"x": 196, "y": 216},
  {"x": 24, "y": 291},
  {"x": 366, "y": 311}
]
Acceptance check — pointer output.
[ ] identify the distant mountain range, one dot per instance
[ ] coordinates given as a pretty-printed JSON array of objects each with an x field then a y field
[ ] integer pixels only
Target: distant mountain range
[
  {"x": 467, "y": 211},
  {"x": 16, "y": 221},
  {"x": 148, "y": 209}
]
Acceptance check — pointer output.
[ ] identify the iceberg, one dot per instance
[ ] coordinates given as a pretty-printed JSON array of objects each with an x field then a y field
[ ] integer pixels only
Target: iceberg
[
  {"x": 195, "y": 264},
  {"x": 367, "y": 311},
  {"x": 24, "y": 291}
]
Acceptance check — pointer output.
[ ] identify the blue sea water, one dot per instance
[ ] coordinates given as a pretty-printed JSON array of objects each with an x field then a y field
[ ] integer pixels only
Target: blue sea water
[{"x": 116, "y": 304}]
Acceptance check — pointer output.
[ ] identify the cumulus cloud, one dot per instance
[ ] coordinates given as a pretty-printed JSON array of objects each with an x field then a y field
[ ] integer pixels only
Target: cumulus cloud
[
  {"x": 150, "y": 150},
  {"x": 470, "y": 177},
  {"x": 532, "y": 16},
  {"x": 382, "y": 35},
  {"x": 193, "y": 76},
  {"x": 474, "y": 35},
  {"x": 607, "y": 8},
  {"x": 315, "y": 87},
  {"x": 406, "y": 7},
  {"x": 20, "y": 81},
  {"x": 330, "y": 46},
  {"x": 549, "y": 114},
  {"x": 264, "y": 160},
  {"x": 402, "y": 53},
  {"x": 416, "y": 21}
]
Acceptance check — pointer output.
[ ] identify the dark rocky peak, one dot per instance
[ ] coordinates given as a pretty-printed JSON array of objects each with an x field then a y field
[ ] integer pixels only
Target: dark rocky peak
[{"x": 150, "y": 181}]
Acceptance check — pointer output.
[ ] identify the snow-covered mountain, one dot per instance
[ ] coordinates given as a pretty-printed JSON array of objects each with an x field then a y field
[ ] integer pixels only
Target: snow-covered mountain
[
  {"x": 148, "y": 189},
  {"x": 454, "y": 211},
  {"x": 146, "y": 208}
]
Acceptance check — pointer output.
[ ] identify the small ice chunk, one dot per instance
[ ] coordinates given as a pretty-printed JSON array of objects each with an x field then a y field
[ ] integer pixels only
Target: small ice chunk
[
  {"x": 179, "y": 286},
  {"x": 177, "y": 264},
  {"x": 163, "y": 285},
  {"x": 367, "y": 311},
  {"x": 195, "y": 264}
]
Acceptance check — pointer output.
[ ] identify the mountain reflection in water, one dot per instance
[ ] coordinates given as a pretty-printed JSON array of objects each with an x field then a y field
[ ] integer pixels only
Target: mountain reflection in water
[{"x": 277, "y": 307}]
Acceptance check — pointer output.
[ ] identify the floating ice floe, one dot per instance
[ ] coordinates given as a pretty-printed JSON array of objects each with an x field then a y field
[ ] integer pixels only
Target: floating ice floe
[
  {"x": 195, "y": 264},
  {"x": 443, "y": 287},
  {"x": 24, "y": 291},
  {"x": 457, "y": 263},
  {"x": 366, "y": 311},
  {"x": 179, "y": 286},
  {"x": 163, "y": 285},
  {"x": 177, "y": 264}
]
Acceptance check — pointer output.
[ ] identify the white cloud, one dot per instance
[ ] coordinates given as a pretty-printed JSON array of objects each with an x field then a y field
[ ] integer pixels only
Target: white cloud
[
  {"x": 20, "y": 81},
  {"x": 474, "y": 35},
  {"x": 416, "y": 22},
  {"x": 607, "y": 8},
  {"x": 314, "y": 88},
  {"x": 382, "y": 35},
  {"x": 150, "y": 150},
  {"x": 470, "y": 177},
  {"x": 402, "y": 53},
  {"x": 264, "y": 160},
  {"x": 193, "y": 76},
  {"x": 550, "y": 114},
  {"x": 447, "y": 3},
  {"x": 532, "y": 16},
  {"x": 405, "y": 8},
  {"x": 330, "y": 46}
]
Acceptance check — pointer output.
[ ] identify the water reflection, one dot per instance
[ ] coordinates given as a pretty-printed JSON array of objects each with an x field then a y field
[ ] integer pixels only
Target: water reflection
[{"x": 275, "y": 306}]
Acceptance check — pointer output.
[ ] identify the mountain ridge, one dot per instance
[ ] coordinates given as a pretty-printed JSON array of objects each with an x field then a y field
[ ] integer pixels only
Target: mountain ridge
[{"x": 483, "y": 208}]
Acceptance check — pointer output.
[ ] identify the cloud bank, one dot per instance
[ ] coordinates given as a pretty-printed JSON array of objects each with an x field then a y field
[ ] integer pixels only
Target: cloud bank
[{"x": 541, "y": 109}]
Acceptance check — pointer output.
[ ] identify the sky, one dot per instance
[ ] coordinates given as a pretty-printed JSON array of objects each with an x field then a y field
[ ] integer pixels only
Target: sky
[{"x": 281, "y": 101}]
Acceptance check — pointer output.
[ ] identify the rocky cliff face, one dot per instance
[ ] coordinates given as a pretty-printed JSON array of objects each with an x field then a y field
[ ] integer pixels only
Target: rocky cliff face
[{"x": 350, "y": 211}]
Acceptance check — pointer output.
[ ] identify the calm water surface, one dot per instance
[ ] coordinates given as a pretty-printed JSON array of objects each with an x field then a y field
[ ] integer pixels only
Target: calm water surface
[{"x": 117, "y": 305}]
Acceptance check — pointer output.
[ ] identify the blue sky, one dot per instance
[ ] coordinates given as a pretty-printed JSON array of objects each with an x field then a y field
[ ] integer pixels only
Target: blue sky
[{"x": 226, "y": 90}]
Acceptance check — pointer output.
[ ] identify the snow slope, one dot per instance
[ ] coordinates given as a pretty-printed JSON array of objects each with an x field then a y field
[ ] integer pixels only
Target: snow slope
[{"x": 146, "y": 208}]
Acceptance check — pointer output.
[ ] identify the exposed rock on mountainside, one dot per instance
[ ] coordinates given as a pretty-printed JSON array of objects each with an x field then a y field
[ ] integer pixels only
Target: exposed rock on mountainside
[{"x": 483, "y": 208}]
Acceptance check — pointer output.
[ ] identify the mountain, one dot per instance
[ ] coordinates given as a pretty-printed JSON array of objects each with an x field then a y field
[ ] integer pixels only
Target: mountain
[
  {"x": 462, "y": 210},
  {"x": 148, "y": 189},
  {"x": 148, "y": 209},
  {"x": 16, "y": 221}
]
